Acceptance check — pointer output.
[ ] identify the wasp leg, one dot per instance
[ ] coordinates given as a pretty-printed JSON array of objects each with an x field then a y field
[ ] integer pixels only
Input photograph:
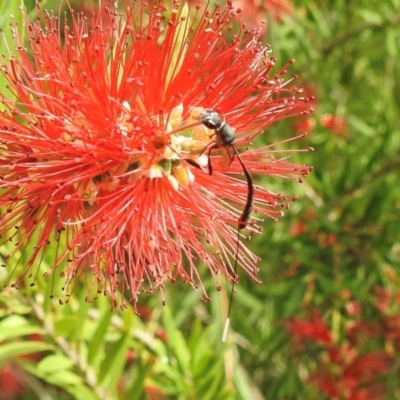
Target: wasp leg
[
  {"x": 214, "y": 146},
  {"x": 193, "y": 163}
]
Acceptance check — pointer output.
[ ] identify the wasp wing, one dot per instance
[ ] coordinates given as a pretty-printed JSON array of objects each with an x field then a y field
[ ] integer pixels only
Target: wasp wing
[{"x": 228, "y": 154}]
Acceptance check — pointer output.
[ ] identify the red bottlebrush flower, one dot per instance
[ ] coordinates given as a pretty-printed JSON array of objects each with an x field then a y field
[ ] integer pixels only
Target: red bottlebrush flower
[{"x": 103, "y": 153}]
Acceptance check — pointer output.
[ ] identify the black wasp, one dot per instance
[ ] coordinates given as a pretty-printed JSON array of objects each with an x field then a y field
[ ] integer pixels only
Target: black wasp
[{"x": 225, "y": 137}]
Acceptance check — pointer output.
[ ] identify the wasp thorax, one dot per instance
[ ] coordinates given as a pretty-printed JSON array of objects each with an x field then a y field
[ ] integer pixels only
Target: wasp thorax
[{"x": 225, "y": 135}]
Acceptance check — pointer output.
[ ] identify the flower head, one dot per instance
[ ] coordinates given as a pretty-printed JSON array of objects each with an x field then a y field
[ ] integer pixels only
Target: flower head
[{"x": 104, "y": 155}]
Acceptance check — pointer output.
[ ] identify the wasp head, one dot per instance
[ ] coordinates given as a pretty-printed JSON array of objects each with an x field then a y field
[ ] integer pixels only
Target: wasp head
[{"x": 211, "y": 119}]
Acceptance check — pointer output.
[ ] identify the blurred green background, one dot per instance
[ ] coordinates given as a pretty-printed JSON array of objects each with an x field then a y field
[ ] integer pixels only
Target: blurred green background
[{"x": 325, "y": 322}]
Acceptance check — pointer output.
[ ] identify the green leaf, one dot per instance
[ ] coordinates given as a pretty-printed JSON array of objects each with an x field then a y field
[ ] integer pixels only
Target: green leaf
[
  {"x": 96, "y": 346},
  {"x": 54, "y": 363},
  {"x": 136, "y": 390},
  {"x": 56, "y": 370},
  {"x": 81, "y": 392},
  {"x": 63, "y": 378},
  {"x": 178, "y": 44},
  {"x": 114, "y": 362},
  {"x": 10, "y": 13},
  {"x": 245, "y": 388},
  {"x": 16, "y": 326},
  {"x": 10, "y": 350},
  {"x": 79, "y": 331},
  {"x": 176, "y": 340},
  {"x": 65, "y": 325}
]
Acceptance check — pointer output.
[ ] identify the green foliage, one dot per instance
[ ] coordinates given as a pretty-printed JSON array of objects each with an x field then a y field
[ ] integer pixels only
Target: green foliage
[
  {"x": 10, "y": 18},
  {"x": 339, "y": 241}
]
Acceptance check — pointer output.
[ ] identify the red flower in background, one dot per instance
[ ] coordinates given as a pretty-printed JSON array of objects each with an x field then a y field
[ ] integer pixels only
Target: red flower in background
[
  {"x": 278, "y": 8},
  {"x": 103, "y": 154},
  {"x": 11, "y": 384},
  {"x": 337, "y": 125},
  {"x": 353, "y": 378},
  {"x": 342, "y": 371},
  {"x": 304, "y": 124},
  {"x": 13, "y": 378},
  {"x": 255, "y": 11},
  {"x": 313, "y": 329}
]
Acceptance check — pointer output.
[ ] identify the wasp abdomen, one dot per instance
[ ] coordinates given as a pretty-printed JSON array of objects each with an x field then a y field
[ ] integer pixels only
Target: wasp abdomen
[{"x": 226, "y": 135}]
